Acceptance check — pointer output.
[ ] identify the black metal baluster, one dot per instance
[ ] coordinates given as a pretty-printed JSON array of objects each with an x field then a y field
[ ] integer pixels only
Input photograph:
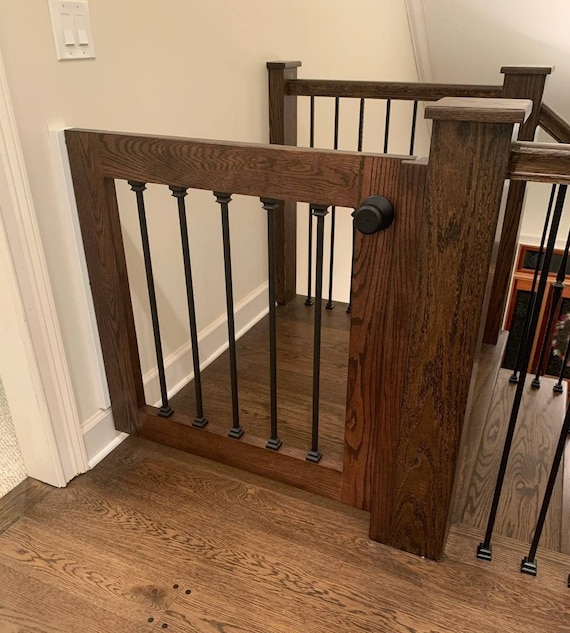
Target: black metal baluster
[
  {"x": 528, "y": 564},
  {"x": 557, "y": 289},
  {"x": 558, "y": 386},
  {"x": 274, "y": 443},
  {"x": 223, "y": 199},
  {"x": 330, "y": 304},
  {"x": 387, "y": 125},
  {"x": 361, "y": 125},
  {"x": 165, "y": 410},
  {"x": 484, "y": 549},
  {"x": 200, "y": 421},
  {"x": 309, "y": 300},
  {"x": 532, "y": 294},
  {"x": 413, "y": 133},
  {"x": 320, "y": 211}
]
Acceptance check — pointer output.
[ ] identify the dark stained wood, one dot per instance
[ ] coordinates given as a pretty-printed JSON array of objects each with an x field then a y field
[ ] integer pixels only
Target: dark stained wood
[
  {"x": 104, "y": 253},
  {"x": 384, "y": 281},
  {"x": 552, "y": 123},
  {"x": 534, "y": 444},
  {"x": 454, "y": 252},
  {"x": 386, "y": 89},
  {"x": 540, "y": 162},
  {"x": 104, "y": 554},
  {"x": 283, "y": 173},
  {"x": 288, "y": 465},
  {"x": 295, "y": 328},
  {"x": 477, "y": 109},
  {"x": 20, "y": 499},
  {"x": 519, "y": 83},
  {"x": 283, "y": 131}
]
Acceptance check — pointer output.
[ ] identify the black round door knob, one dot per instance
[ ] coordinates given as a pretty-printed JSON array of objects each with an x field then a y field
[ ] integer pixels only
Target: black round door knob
[{"x": 374, "y": 214}]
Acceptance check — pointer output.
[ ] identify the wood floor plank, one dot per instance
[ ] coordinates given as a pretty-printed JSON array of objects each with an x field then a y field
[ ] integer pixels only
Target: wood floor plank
[
  {"x": 257, "y": 556},
  {"x": 565, "y": 516},
  {"x": 294, "y": 371},
  {"x": 25, "y": 495},
  {"x": 132, "y": 589},
  {"x": 31, "y": 606},
  {"x": 534, "y": 444},
  {"x": 489, "y": 363},
  {"x": 228, "y": 556}
]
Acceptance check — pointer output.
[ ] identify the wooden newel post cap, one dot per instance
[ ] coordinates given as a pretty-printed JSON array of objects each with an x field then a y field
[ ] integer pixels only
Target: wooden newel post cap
[
  {"x": 480, "y": 110},
  {"x": 278, "y": 65}
]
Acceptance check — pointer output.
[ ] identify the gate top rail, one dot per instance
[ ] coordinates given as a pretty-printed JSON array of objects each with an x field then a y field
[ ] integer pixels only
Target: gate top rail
[{"x": 283, "y": 173}]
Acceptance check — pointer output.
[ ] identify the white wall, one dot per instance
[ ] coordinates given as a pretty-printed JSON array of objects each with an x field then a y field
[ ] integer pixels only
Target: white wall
[
  {"x": 187, "y": 68},
  {"x": 470, "y": 41}
]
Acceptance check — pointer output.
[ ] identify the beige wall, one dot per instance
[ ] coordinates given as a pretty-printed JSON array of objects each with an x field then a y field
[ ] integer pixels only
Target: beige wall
[
  {"x": 185, "y": 68},
  {"x": 470, "y": 41}
]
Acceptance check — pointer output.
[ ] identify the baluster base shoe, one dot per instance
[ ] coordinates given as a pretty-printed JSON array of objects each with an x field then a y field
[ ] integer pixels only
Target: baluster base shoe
[
  {"x": 200, "y": 422},
  {"x": 314, "y": 456},
  {"x": 535, "y": 384},
  {"x": 557, "y": 388},
  {"x": 330, "y": 305},
  {"x": 274, "y": 444},
  {"x": 484, "y": 553},
  {"x": 309, "y": 301},
  {"x": 528, "y": 566},
  {"x": 514, "y": 379},
  {"x": 236, "y": 433},
  {"x": 165, "y": 412}
]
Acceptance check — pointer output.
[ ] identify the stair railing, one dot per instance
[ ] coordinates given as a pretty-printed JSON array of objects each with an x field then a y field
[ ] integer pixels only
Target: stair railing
[{"x": 285, "y": 88}]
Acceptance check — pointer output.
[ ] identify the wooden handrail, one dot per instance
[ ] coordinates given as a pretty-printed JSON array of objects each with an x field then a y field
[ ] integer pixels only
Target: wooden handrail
[
  {"x": 408, "y": 91},
  {"x": 552, "y": 123},
  {"x": 324, "y": 176},
  {"x": 540, "y": 162}
]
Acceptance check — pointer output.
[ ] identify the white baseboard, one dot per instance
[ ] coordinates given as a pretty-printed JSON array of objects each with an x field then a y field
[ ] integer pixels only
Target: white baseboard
[{"x": 99, "y": 433}]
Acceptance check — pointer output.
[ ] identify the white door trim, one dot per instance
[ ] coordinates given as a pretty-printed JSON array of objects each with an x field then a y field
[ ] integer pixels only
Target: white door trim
[
  {"x": 417, "y": 22},
  {"x": 36, "y": 379}
]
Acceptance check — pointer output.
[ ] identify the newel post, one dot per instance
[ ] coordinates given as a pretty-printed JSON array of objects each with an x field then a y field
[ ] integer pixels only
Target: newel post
[
  {"x": 283, "y": 131},
  {"x": 469, "y": 154},
  {"x": 519, "y": 83}
]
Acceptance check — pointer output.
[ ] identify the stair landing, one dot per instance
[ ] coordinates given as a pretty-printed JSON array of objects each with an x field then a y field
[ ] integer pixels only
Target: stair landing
[{"x": 534, "y": 444}]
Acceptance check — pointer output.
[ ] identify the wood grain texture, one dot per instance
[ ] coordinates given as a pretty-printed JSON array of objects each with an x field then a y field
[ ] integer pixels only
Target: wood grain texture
[
  {"x": 288, "y": 465},
  {"x": 104, "y": 253},
  {"x": 295, "y": 329},
  {"x": 552, "y": 123},
  {"x": 385, "y": 269},
  {"x": 519, "y": 83},
  {"x": 387, "y": 89},
  {"x": 565, "y": 514},
  {"x": 477, "y": 109},
  {"x": 20, "y": 499},
  {"x": 280, "y": 172},
  {"x": 283, "y": 131},
  {"x": 455, "y": 251},
  {"x": 540, "y": 162},
  {"x": 257, "y": 556},
  {"x": 534, "y": 444},
  {"x": 488, "y": 366}
]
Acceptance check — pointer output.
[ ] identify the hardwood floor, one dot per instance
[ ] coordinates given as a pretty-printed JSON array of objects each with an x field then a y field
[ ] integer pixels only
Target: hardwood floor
[
  {"x": 294, "y": 374},
  {"x": 533, "y": 448},
  {"x": 154, "y": 537}
]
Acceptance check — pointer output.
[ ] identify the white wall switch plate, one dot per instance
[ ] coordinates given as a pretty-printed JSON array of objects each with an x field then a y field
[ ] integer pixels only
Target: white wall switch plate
[{"x": 72, "y": 29}]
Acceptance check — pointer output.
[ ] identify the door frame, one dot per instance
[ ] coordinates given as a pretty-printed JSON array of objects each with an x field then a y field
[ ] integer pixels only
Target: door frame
[{"x": 33, "y": 365}]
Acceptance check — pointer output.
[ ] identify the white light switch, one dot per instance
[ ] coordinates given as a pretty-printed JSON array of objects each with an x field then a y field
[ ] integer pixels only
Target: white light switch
[
  {"x": 68, "y": 37},
  {"x": 72, "y": 29}
]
